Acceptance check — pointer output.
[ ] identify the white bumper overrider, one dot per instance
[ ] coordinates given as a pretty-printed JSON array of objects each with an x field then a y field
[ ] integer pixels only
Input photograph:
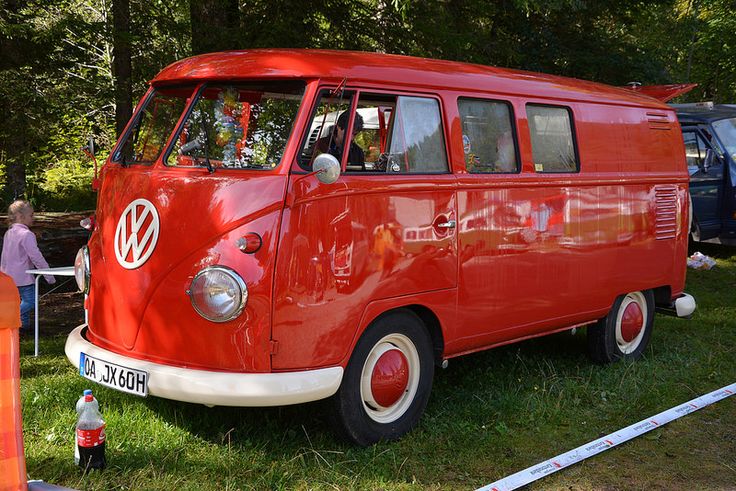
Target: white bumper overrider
[
  {"x": 217, "y": 388},
  {"x": 685, "y": 305}
]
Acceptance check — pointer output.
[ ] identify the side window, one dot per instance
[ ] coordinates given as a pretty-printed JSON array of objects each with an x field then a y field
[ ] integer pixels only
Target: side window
[
  {"x": 698, "y": 153},
  {"x": 371, "y": 130},
  {"x": 416, "y": 143},
  {"x": 323, "y": 136},
  {"x": 390, "y": 134},
  {"x": 551, "y": 130},
  {"x": 694, "y": 151},
  {"x": 488, "y": 138}
]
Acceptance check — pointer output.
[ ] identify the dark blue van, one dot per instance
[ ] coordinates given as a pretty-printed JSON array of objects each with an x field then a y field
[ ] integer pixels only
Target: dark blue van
[{"x": 709, "y": 133}]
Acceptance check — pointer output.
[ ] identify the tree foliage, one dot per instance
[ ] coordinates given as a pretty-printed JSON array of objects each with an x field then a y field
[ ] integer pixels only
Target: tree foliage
[{"x": 56, "y": 57}]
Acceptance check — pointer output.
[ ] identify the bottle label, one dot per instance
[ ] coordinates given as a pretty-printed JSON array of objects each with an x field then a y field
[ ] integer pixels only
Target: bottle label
[{"x": 91, "y": 438}]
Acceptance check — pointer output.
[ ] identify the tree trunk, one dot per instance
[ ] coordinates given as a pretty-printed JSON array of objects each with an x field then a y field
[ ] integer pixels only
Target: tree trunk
[
  {"x": 13, "y": 146},
  {"x": 214, "y": 25},
  {"x": 121, "y": 64}
]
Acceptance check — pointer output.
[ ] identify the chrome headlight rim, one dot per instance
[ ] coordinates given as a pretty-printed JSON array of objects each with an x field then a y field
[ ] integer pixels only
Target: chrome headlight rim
[
  {"x": 86, "y": 273},
  {"x": 232, "y": 274}
]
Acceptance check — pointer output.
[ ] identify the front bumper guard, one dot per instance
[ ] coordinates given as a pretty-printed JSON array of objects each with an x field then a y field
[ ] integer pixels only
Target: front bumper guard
[{"x": 217, "y": 388}]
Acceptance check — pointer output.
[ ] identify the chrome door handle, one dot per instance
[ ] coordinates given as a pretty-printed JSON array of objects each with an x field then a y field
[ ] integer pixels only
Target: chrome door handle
[{"x": 447, "y": 224}]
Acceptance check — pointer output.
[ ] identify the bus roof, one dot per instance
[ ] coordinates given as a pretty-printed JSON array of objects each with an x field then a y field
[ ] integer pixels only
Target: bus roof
[{"x": 392, "y": 69}]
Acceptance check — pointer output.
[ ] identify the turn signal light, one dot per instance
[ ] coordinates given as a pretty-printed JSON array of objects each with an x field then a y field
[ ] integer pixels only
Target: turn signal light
[
  {"x": 82, "y": 269},
  {"x": 249, "y": 243},
  {"x": 87, "y": 223}
]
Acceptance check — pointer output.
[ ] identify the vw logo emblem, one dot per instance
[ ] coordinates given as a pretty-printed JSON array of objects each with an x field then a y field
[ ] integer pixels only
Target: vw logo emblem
[{"x": 136, "y": 234}]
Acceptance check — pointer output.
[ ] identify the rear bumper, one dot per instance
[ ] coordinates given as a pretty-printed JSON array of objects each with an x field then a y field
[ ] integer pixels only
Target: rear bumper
[
  {"x": 217, "y": 388},
  {"x": 683, "y": 306}
]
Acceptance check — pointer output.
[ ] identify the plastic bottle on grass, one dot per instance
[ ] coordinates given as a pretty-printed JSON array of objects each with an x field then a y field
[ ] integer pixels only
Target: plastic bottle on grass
[
  {"x": 80, "y": 401},
  {"x": 91, "y": 435},
  {"x": 80, "y": 406}
]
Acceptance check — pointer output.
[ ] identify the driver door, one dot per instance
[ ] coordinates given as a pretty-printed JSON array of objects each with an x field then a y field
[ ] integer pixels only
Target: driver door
[
  {"x": 705, "y": 167},
  {"x": 385, "y": 231}
]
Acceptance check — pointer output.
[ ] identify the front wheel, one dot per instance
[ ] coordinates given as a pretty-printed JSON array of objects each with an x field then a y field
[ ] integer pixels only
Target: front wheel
[
  {"x": 387, "y": 382},
  {"x": 625, "y": 331}
]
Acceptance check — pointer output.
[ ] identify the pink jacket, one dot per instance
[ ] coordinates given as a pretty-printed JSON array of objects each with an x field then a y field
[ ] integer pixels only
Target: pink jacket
[{"x": 20, "y": 252}]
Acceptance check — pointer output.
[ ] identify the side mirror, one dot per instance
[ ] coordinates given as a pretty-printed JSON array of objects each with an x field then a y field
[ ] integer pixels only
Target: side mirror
[
  {"x": 89, "y": 150},
  {"x": 710, "y": 157},
  {"x": 91, "y": 147},
  {"x": 327, "y": 168}
]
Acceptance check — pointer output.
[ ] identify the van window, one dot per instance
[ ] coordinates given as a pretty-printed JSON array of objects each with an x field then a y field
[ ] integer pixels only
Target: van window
[
  {"x": 488, "y": 137},
  {"x": 553, "y": 147},
  {"x": 695, "y": 151},
  {"x": 323, "y": 136},
  {"x": 375, "y": 111},
  {"x": 239, "y": 126},
  {"x": 416, "y": 143},
  {"x": 391, "y": 134},
  {"x": 726, "y": 131},
  {"x": 153, "y": 125}
]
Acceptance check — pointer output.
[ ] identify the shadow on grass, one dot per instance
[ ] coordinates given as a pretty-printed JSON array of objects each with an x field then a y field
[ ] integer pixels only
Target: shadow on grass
[
  {"x": 714, "y": 250},
  {"x": 288, "y": 429},
  {"x": 274, "y": 429}
]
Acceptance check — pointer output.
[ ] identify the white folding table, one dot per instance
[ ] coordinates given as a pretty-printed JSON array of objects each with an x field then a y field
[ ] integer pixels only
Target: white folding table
[{"x": 64, "y": 271}]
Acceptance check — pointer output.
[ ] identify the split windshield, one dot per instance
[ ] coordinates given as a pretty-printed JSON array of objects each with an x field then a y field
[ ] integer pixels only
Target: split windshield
[
  {"x": 241, "y": 126},
  {"x": 153, "y": 125}
]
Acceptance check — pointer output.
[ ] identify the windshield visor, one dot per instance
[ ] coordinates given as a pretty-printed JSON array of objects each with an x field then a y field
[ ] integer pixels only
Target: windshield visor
[
  {"x": 153, "y": 123},
  {"x": 239, "y": 126}
]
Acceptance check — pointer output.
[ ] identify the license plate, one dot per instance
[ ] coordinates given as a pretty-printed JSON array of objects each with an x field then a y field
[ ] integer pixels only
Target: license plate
[{"x": 111, "y": 375}]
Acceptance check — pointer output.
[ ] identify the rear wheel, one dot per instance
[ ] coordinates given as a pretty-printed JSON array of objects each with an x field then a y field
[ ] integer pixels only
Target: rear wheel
[
  {"x": 625, "y": 331},
  {"x": 387, "y": 382}
]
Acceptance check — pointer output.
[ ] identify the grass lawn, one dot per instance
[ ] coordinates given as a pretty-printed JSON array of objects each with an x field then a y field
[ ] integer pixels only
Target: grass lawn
[{"x": 491, "y": 414}]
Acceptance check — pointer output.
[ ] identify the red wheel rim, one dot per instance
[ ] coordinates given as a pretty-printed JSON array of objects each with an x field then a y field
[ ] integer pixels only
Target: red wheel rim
[
  {"x": 632, "y": 322},
  {"x": 391, "y": 374},
  {"x": 390, "y": 377}
]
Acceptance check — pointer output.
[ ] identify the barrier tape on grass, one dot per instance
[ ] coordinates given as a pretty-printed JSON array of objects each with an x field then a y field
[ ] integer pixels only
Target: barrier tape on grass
[{"x": 522, "y": 478}]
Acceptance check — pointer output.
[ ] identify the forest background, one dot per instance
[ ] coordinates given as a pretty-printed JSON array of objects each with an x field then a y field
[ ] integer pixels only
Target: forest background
[{"x": 71, "y": 69}]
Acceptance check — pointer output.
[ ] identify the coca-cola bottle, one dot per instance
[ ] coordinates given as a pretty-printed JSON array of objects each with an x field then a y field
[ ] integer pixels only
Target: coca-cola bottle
[
  {"x": 80, "y": 406},
  {"x": 91, "y": 435},
  {"x": 80, "y": 401}
]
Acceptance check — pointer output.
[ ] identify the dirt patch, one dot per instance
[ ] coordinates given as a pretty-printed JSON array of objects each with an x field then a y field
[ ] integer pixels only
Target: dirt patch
[{"x": 59, "y": 313}]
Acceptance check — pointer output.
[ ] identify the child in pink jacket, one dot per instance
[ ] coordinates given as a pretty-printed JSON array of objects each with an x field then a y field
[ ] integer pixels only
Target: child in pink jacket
[{"x": 20, "y": 252}]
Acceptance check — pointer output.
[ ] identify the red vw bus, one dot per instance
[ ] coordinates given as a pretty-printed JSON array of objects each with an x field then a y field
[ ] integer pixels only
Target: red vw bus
[{"x": 282, "y": 226}]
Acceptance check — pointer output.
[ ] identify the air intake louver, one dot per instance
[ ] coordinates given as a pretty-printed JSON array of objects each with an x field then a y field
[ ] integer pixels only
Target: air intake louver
[
  {"x": 666, "y": 214},
  {"x": 658, "y": 121}
]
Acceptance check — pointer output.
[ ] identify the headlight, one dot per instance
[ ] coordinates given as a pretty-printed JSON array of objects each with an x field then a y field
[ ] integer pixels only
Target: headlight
[
  {"x": 81, "y": 269},
  {"x": 218, "y": 294}
]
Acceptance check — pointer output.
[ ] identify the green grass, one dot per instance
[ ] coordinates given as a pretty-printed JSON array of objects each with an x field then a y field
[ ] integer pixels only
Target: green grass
[{"x": 490, "y": 415}]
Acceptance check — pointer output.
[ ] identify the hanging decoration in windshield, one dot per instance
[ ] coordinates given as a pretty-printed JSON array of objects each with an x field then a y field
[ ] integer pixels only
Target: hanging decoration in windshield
[{"x": 238, "y": 126}]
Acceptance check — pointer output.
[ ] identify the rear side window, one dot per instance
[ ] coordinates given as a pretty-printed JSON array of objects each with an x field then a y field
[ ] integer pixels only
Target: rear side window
[
  {"x": 488, "y": 136},
  {"x": 553, "y": 144}
]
